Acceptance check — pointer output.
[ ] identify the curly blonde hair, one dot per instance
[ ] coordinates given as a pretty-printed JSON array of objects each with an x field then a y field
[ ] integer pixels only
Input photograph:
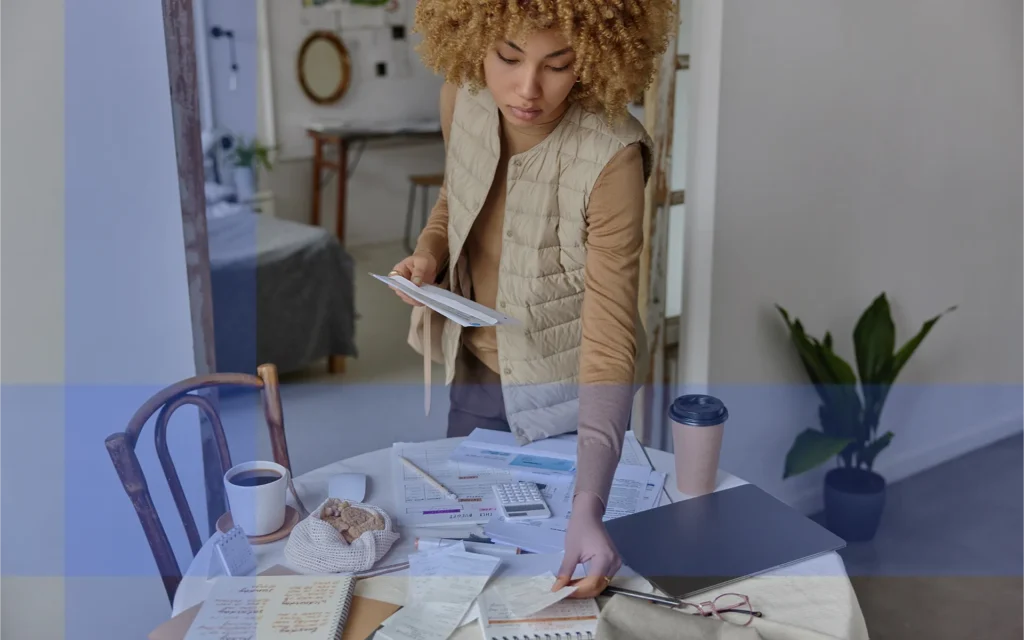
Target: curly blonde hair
[{"x": 617, "y": 43}]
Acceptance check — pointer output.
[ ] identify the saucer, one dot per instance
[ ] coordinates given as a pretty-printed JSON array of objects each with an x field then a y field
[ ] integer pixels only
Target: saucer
[{"x": 291, "y": 518}]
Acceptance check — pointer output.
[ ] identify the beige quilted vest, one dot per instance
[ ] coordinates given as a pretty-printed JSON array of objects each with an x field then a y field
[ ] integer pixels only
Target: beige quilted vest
[{"x": 540, "y": 279}]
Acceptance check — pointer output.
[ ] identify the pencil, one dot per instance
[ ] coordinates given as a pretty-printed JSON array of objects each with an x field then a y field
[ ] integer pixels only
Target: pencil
[{"x": 448, "y": 493}]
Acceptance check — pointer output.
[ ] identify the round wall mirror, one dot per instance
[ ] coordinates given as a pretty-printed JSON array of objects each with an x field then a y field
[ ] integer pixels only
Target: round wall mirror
[{"x": 324, "y": 68}]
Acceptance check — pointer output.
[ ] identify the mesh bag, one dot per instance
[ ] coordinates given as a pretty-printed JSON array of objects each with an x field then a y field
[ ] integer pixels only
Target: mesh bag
[{"x": 316, "y": 546}]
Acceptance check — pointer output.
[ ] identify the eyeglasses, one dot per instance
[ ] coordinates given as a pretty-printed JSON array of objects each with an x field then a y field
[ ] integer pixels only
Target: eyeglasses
[{"x": 734, "y": 608}]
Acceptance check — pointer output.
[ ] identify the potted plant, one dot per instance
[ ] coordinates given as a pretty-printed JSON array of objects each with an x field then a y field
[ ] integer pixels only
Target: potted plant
[
  {"x": 247, "y": 156},
  {"x": 849, "y": 417}
]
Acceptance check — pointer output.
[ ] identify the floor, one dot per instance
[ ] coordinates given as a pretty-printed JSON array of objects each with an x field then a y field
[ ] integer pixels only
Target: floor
[
  {"x": 946, "y": 563},
  {"x": 947, "y": 559},
  {"x": 387, "y": 379}
]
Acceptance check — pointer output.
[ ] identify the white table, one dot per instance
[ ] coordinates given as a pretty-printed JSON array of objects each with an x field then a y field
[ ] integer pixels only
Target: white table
[{"x": 815, "y": 595}]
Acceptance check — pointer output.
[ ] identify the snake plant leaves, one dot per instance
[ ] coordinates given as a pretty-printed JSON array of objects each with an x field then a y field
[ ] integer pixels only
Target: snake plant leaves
[
  {"x": 833, "y": 379},
  {"x": 874, "y": 339},
  {"x": 849, "y": 420},
  {"x": 811, "y": 449},
  {"x": 868, "y": 454},
  {"x": 908, "y": 349}
]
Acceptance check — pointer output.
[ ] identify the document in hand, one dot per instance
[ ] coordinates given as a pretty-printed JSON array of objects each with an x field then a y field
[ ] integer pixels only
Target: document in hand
[{"x": 454, "y": 307}]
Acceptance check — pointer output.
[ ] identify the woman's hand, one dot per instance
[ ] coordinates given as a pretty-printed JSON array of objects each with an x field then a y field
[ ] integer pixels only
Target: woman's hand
[
  {"x": 587, "y": 540},
  {"x": 418, "y": 268}
]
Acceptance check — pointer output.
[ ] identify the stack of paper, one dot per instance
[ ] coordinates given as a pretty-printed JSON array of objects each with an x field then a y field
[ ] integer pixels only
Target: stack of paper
[
  {"x": 418, "y": 502},
  {"x": 549, "y": 457},
  {"x": 486, "y": 458},
  {"x": 567, "y": 618},
  {"x": 443, "y": 586},
  {"x": 634, "y": 489},
  {"x": 447, "y": 584}
]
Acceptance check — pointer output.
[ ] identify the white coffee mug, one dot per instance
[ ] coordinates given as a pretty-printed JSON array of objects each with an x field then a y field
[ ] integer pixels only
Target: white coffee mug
[{"x": 257, "y": 493}]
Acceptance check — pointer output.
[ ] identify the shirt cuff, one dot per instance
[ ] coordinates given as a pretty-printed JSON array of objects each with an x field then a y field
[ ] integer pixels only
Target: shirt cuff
[
  {"x": 431, "y": 249},
  {"x": 595, "y": 468}
]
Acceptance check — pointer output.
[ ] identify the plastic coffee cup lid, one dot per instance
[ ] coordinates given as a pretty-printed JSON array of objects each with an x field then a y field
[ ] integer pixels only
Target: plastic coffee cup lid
[{"x": 698, "y": 411}]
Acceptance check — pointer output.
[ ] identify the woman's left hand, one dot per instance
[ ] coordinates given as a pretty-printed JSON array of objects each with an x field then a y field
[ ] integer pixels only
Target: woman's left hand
[{"x": 587, "y": 540}]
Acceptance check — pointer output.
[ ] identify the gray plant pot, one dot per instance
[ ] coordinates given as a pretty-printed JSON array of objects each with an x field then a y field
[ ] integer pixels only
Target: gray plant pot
[
  {"x": 245, "y": 183},
  {"x": 854, "y": 501}
]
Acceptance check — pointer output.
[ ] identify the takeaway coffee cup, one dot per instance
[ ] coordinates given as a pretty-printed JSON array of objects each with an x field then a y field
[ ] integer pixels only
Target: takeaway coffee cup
[
  {"x": 257, "y": 493},
  {"x": 697, "y": 425}
]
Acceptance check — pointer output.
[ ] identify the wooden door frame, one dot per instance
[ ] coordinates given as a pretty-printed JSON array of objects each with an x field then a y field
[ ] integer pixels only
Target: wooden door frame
[
  {"x": 692, "y": 330},
  {"x": 693, "y": 365},
  {"x": 182, "y": 67},
  {"x": 659, "y": 108}
]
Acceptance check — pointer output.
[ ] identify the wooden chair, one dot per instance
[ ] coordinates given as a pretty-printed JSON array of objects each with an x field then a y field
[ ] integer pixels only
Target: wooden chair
[
  {"x": 417, "y": 183},
  {"x": 121, "y": 447}
]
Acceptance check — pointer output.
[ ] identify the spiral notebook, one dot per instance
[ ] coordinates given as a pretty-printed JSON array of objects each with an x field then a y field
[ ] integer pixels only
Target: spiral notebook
[
  {"x": 298, "y": 607},
  {"x": 569, "y": 618}
]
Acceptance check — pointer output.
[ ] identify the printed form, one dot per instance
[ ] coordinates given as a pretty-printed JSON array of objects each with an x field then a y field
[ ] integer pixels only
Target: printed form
[
  {"x": 419, "y": 503},
  {"x": 634, "y": 489},
  {"x": 443, "y": 585},
  {"x": 548, "y": 457},
  {"x": 519, "y": 573}
]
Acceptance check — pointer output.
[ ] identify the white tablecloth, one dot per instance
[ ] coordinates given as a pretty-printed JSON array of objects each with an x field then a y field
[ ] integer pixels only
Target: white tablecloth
[{"x": 815, "y": 594}]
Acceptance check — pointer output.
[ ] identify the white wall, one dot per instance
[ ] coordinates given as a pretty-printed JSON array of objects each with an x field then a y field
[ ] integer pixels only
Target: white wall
[
  {"x": 680, "y": 138},
  {"x": 32, "y": 318},
  {"x": 867, "y": 147},
  {"x": 95, "y": 313},
  {"x": 378, "y": 189}
]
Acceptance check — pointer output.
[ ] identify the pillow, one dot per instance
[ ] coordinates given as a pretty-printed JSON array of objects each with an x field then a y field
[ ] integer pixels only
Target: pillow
[
  {"x": 218, "y": 193},
  {"x": 226, "y": 208}
]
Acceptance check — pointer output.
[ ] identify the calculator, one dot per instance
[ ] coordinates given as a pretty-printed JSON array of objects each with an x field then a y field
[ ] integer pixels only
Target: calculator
[{"x": 521, "y": 501}]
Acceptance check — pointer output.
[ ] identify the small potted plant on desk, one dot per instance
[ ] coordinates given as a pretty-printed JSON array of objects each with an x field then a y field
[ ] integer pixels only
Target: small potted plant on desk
[
  {"x": 854, "y": 492},
  {"x": 247, "y": 156}
]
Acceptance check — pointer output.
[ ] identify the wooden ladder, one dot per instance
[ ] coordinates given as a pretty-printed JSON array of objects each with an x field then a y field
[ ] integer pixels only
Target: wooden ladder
[{"x": 659, "y": 117}]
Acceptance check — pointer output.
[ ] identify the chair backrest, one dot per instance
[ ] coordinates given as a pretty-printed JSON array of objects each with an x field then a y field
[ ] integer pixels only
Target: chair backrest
[{"x": 121, "y": 447}]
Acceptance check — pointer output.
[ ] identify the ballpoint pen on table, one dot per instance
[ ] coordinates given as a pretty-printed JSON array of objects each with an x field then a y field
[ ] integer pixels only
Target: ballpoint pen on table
[
  {"x": 380, "y": 571},
  {"x": 448, "y": 493},
  {"x": 651, "y": 597}
]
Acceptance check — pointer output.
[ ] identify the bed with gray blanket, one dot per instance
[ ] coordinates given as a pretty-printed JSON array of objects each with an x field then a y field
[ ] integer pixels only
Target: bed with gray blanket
[{"x": 282, "y": 292}]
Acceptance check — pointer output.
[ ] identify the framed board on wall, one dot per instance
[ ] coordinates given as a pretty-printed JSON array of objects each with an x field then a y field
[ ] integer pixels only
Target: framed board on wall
[{"x": 388, "y": 83}]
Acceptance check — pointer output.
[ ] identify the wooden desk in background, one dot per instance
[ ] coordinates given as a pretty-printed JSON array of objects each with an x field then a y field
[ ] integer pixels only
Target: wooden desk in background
[{"x": 324, "y": 138}]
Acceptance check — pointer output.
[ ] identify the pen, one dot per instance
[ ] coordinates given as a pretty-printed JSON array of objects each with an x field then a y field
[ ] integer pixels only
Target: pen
[
  {"x": 652, "y": 597},
  {"x": 448, "y": 493},
  {"x": 380, "y": 571},
  {"x": 472, "y": 544}
]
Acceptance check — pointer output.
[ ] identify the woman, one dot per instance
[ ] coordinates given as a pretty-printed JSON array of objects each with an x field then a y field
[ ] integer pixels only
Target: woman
[{"x": 541, "y": 217}]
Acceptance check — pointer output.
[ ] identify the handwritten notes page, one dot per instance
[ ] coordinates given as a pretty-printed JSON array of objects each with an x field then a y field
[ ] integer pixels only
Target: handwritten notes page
[
  {"x": 301, "y": 607},
  {"x": 443, "y": 585}
]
